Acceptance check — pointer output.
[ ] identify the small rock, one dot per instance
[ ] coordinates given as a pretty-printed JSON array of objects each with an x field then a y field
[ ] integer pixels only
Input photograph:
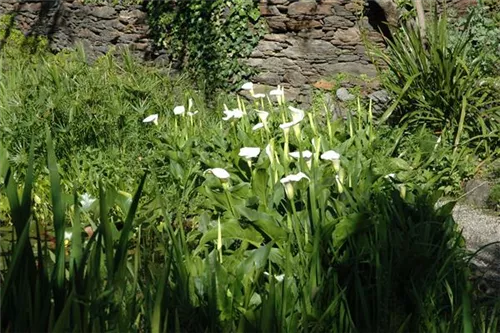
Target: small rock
[
  {"x": 477, "y": 192},
  {"x": 380, "y": 100},
  {"x": 344, "y": 95}
]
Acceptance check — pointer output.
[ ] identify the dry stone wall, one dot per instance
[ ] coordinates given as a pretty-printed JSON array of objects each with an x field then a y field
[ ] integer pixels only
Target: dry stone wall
[
  {"x": 98, "y": 27},
  {"x": 307, "y": 40},
  {"x": 310, "y": 40}
]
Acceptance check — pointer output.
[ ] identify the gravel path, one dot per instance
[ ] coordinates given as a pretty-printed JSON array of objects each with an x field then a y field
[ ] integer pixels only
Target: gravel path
[{"x": 481, "y": 227}]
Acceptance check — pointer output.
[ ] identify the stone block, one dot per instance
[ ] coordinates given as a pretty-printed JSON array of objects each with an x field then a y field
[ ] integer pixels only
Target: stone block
[
  {"x": 268, "y": 78},
  {"x": 311, "y": 49},
  {"x": 348, "y": 67},
  {"x": 268, "y": 46},
  {"x": 336, "y": 22},
  {"x": 294, "y": 78},
  {"x": 298, "y": 25},
  {"x": 348, "y": 58},
  {"x": 266, "y": 10},
  {"x": 302, "y": 8},
  {"x": 277, "y": 23},
  {"x": 309, "y": 8},
  {"x": 351, "y": 35},
  {"x": 103, "y": 12}
]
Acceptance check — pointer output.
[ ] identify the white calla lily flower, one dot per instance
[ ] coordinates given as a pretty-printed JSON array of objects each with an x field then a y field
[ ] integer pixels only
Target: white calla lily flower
[
  {"x": 220, "y": 173},
  {"x": 230, "y": 114},
  {"x": 262, "y": 115},
  {"x": 330, "y": 155},
  {"x": 249, "y": 152},
  {"x": 257, "y": 126},
  {"x": 288, "y": 125},
  {"x": 278, "y": 278},
  {"x": 192, "y": 113},
  {"x": 306, "y": 154},
  {"x": 297, "y": 114},
  {"x": 190, "y": 103},
  {"x": 151, "y": 119},
  {"x": 259, "y": 95},
  {"x": 277, "y": 92},
  {"x": 288, "y": 183},
  {"x": 247, "y": 86},
  {"x": 179, "y": 110},
  {"x": 86, "y": 201},
  {"x": 390, "y": 176},
  {"x": 294, "y": 178}
]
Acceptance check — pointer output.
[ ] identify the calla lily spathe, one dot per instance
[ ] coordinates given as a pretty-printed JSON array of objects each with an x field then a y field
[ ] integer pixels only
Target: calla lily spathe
[
  {"x": 294, "y": 178},
  {"x": 262, "y": 115},
  {"x": 279, "y": 93},
  {"x": 151, "y": 119},
  {"x": 220, "y": 173},
  {"x": 306, "y": 154},
  {"x": 297, "y": 114},
  {"x": 249, "y": 152},
  {"x": 230, "y": 114},
  {"x": 86, "y": 201},
  {"x": 330, "y": 155},
  {"x": 247, "y": 86},
  {"x": 288, "y": 183},
  {"x": 179, "y": 110},
  {"x": 257, "y": 126}
]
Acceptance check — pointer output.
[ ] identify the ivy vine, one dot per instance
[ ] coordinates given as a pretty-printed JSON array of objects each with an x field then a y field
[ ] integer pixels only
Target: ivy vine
[{"x": 208, "y": 39}]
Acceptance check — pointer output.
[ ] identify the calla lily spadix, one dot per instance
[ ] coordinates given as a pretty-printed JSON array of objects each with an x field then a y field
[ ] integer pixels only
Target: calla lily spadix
[
  {"x": 249, "y": 152},
  {"x": 151, "y": 119},
  {"x": 220, "y": 173},
  {"x": 179, "y": 110}
]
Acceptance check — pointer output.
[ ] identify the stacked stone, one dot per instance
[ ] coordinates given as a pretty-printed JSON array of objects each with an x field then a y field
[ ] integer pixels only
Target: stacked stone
[
  {"x": 310, "y": 40},
  {"x": 97, "y": 27}
]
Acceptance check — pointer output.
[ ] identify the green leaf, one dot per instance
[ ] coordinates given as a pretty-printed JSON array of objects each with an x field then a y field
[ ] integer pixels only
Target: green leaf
[{"x": 232, "y": 230}]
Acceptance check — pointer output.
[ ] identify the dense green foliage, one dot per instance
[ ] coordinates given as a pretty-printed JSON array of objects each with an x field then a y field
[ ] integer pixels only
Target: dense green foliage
[
  {"x": 361, "y": 244},
  {"x": 208, "y": 38},
  {"x": 483, "y": 25},
  {"x": 437, "y": 84}
]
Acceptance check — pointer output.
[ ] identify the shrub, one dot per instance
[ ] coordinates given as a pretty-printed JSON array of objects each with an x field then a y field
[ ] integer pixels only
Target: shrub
[{"x": 435, "y": 85}]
